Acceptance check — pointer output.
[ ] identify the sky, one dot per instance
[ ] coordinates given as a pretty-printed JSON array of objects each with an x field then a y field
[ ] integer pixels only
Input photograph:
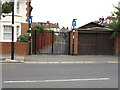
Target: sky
[{"x": 64, "y": 11}]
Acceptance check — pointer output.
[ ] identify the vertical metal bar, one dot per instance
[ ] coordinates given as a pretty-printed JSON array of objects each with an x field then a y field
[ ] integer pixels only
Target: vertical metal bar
[
  {"x": 73, "y": 44},
  {"x": 35, "y": 40},
  {"x": 52, "y": 41},
  {"x": 41, "y": 33},
  {"x": 96, "y": 45},
  {"x": 68, "y": 43},
  {"x": 12, "y": 43},
  {"x": 30, "y": 41}
]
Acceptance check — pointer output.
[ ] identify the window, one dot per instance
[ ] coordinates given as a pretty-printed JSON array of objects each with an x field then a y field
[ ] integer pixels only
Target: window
[
  {"x": 17, "y": 32},
  {"x": 7, "y": 33},
  {"x": 18, "y": 6}
]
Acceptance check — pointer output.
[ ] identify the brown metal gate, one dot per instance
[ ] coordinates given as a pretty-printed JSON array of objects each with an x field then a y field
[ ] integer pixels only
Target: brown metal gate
[{"x": 95, "y": 44}]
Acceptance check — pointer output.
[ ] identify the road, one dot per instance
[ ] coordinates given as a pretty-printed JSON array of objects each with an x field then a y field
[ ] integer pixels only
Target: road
[{"x": 60, "y": 75}]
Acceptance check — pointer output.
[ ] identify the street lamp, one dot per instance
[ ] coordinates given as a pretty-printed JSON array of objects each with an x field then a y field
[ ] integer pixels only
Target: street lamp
[{"x": 12, "y": 43}]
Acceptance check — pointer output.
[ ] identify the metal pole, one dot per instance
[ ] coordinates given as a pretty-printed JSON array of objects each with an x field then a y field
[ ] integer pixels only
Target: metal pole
[
  {"x": 52, "y": 42},
  {"x": 35, "y": 41},
  {"x": 73, "y": 24},
  {"x": 12, "y": 43},
  {"x": 30, "y": 9},
  {"x": 73, "y": 42}
]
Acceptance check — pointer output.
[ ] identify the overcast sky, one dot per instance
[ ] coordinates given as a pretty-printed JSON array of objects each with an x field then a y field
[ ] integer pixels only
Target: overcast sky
[{"x": 64, "y": 11}]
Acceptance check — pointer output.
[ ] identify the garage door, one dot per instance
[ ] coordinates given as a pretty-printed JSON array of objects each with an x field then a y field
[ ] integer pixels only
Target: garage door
[{"x": 95, "y": 44}]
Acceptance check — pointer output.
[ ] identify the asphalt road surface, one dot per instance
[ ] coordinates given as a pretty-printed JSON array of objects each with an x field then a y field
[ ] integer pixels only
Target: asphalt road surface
[{"x": 60, "y": 75}]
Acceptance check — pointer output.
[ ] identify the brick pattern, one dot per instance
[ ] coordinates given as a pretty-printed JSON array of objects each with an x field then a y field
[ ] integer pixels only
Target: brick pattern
[
  {"x": 75, "y": 43},
  {"x": 71, "y": 42},
  {"x": 24, "y": 28},
  {"x": 21, "y": 48},
  {"x": 117, "y": 45},
  {"x": 27, "y": 9}
]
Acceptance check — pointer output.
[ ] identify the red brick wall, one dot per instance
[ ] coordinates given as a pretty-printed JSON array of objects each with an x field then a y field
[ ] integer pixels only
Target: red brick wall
[
  {"x": 27, "y": 9},
  {"x": 75, "y": 43},
  {"x": 21, "y": 48},
  {"x": 117, "y": 45},
  {"x": 24, "y": 28}
]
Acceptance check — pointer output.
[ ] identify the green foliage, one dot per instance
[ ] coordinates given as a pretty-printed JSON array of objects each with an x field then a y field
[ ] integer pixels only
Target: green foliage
[
  {"x": 23, "y": 38},
  {"x": 49, "y": 30},
  {"x": 7, "y": 7},
  {"x": 38, "y": 27},
  {"x": 41, "y": 28},
  {"x": 0, "y": 9},
  {"x": 116, "y": 24}
]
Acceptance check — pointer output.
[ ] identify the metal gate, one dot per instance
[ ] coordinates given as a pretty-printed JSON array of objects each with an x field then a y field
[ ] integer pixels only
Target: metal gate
[{"x": 50, "y": 42}]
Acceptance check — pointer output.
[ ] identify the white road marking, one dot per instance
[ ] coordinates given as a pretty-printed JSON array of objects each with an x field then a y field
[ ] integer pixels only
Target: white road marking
[{"x": 62, "y": 80}]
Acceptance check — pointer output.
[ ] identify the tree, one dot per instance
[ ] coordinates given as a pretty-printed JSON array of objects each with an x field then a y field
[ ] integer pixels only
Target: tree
[
  {"x": 38, "y": 27},
  {"x": 7, "y": 7},
  {"x": 0, "y": 9},
  {"x": 23, "y": 38},
  {"x": 116, "y": 24}
]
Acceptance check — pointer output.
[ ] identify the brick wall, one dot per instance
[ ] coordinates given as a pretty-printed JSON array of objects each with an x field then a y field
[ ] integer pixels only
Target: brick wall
[
  {"x": 21, "y": 48},
  {"x": 27, "y": 9},
  {"x": 75, "y": 43},
  {"x": 117, "y": 44},
  {"x": 24, "y": 28}
]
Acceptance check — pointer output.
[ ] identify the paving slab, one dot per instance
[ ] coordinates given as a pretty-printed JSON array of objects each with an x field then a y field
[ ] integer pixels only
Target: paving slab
[{"x": 62, "y": 59}]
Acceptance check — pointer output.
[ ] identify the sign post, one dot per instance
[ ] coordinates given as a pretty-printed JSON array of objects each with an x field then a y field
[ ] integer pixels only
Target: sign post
[
  {"x": 30, "y": 20},
  {"x": 73, "y": 24}
]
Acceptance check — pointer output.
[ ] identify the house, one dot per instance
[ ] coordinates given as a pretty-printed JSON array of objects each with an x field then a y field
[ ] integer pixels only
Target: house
[
  {"x": 48, "y": 25},
  {"x": 90, "y": 25},
  {"x": 63, "y": 29},
  {"x": 119, "y": 4},
  {"x": 21, "y": 14}
]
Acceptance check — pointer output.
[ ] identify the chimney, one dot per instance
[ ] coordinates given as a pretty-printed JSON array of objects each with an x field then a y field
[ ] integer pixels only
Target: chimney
[
  {"x": 58, "y": 24},
  {"x": 119, "y": 4},
  {"x": 48, "y": 21}
]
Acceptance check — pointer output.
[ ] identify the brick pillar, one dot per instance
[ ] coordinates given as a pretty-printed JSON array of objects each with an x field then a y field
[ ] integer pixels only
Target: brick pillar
[
  {"x": 71, "y": 42},
  {"x": 117, "y": 45},
  {"x": 75, "y": 43},
  {"x": 0, "y": 48}
]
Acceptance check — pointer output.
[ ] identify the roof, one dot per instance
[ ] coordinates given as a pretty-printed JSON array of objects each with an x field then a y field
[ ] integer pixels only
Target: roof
[
  {"x": 90, "y": 25},
  {"x": 95, "y": 29}
]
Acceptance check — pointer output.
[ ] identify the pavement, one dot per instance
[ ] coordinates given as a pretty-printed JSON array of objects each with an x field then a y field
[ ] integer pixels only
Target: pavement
[{"x": 60, "y": 59}]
